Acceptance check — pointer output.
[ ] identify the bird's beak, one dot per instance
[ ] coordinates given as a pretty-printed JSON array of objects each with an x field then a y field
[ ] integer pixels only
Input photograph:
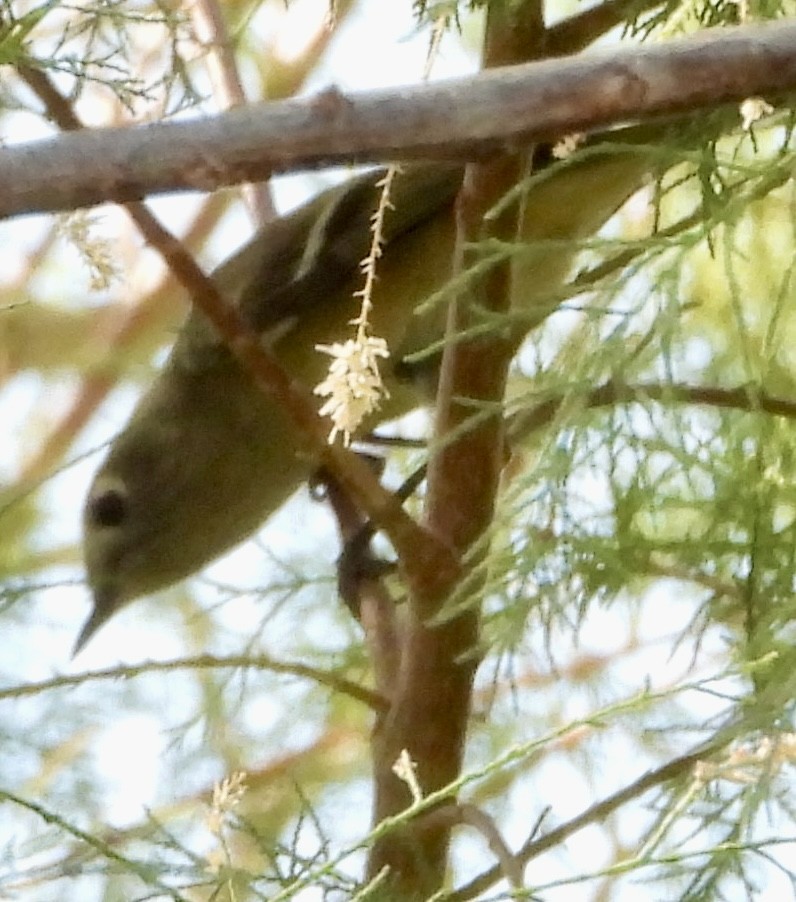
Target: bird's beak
[{"x": 100, "y": 613}]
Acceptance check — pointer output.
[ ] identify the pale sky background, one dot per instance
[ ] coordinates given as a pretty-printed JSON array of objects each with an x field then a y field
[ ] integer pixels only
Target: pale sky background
[{"x": 130, "y": 751}]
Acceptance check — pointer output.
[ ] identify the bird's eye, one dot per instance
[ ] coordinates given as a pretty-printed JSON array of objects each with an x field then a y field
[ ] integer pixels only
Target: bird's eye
[{"x": 108, "y": 508}]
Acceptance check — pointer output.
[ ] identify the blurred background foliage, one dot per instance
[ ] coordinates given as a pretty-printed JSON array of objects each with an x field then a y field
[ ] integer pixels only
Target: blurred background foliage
[{"x": 642, "y": 560}]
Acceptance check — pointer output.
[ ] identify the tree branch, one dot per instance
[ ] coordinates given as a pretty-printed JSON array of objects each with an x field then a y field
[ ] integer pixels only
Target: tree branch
[
  {"x": 352, "y": 473},
  {"x": 578, "y": 31},
  {"x": 228, "y": 87},
  {"x": 534, "y": 847},
  {"x": 433, "y": 697},
  {"x": 196, "y": 662},
  {"x": 745, "y": 398},
  {"x": 467, "y": 814},
  {"x": 463, "y": 118}
]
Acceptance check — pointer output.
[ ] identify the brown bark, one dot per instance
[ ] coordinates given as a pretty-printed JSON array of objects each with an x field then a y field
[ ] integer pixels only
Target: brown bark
[
  {"x": 463, "y": 118},
  {"x": 432, "y": 699}
]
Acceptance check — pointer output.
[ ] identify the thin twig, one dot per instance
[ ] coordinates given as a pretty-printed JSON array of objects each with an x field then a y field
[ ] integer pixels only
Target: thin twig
[
  {"x": 598, "y": 812},
  {"x": 582, "y": 29},
  {"x": 144, "y": 870},
  {"x": 253, "y": 662},
  {"x": 228, "y": 87},
  {"x": 471, "y": 815},
  {"x": 744, "y": 398}
]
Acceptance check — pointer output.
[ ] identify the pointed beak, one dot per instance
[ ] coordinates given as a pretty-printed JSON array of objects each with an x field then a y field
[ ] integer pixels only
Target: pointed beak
[{"x": 103, "y": 608}]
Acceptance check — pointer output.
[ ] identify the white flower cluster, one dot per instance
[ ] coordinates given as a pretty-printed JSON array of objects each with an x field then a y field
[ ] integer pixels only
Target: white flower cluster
[{"x": 353, "y": 384}]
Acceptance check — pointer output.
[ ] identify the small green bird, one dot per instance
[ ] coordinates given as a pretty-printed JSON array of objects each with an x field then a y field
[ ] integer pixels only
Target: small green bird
[{"x": 206, "y": 457}]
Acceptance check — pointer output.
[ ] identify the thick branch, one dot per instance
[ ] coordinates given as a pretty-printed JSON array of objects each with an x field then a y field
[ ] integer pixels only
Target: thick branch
[
  {"x": 461, "y": 118},
  {"x": 432, "y": 700}
]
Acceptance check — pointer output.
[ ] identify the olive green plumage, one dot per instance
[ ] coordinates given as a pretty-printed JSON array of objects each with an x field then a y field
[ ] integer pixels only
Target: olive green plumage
[{"x": 206, "y": 457}]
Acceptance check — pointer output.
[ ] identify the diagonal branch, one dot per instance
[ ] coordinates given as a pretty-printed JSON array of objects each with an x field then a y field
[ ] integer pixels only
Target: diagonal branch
[
  {"x": 676, "y": 768},
  {"x": 580, "y": 30},
  {"x": 351, "y": 471}
]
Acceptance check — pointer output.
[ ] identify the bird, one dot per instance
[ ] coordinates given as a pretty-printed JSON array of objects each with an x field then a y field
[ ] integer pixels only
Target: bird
[{"x": 206, "y": 457}]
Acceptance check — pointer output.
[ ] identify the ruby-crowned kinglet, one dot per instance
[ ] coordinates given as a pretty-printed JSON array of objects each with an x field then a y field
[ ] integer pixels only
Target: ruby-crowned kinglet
[{"x": 206, "y": 457}]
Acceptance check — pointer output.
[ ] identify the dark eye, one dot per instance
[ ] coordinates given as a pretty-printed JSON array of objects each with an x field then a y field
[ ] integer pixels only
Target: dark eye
[{"x": 108, "y": 509}]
